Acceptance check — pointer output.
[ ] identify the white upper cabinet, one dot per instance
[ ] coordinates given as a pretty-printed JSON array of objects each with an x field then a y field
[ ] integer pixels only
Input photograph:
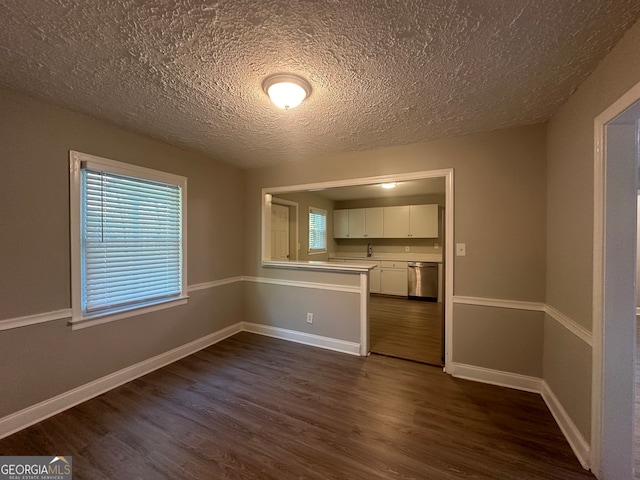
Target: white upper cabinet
[
  {"x": 408, "y": 221},
  {"x": 411, "y": 221},
  {"x": 358, "y": 223},
  {"x": 396, "y": 222},
  {"x": 373, "y": 222},
  {"x": 341, "y": 224},
  {"x": 423, "y": 221}
]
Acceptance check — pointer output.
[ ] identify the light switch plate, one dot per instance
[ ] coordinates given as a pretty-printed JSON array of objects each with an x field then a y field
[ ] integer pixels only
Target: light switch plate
[{"x": 461, "y": 249}]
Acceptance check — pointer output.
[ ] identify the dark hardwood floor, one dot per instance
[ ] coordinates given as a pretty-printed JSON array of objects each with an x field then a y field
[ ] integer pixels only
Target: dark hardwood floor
[
  {"x": 410, "y": 329},
  {"x": 253, "y": 407}
]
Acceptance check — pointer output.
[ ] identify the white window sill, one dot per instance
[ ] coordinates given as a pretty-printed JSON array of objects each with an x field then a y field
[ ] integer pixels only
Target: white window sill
[
  {"x": 80, "y": 322},
  {"x": 317, "y": 252}
]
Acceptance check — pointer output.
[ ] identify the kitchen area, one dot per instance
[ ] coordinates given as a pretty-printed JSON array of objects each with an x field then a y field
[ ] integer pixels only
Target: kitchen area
[
  {"x": 398, "y": 229},
  {"x": 404, "y": 242}
]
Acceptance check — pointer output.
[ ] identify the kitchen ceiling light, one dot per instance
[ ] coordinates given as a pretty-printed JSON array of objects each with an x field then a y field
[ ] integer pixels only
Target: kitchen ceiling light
[
  {"x": 388, "y": 185},
  {"x": 286, "y": 91}
]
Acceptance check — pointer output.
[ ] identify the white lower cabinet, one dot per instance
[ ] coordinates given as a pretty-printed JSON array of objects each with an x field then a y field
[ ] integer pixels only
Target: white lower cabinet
[
  {"x": 374, "y": 280},
  {"x": 374, "y": 275},
  {"x": 393, "y": 278}
]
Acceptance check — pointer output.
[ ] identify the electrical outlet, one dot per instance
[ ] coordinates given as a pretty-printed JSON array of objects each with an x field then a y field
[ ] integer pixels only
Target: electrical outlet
[
  {"x": 406, "y": 249},
  {"x": 309, "y": 317}
]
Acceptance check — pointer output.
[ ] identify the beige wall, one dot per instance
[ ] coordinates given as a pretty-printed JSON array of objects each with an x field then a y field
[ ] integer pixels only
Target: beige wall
[
  {"x": 570, "y": 186},
  {"x": 304, "y": 201},
  {"x": 499, "y": 203},
  {"x": 287, "y": 307},
  {"x": 570, "y": 179},
  {"x": 506, "y": 348},
  {"x": 499, "y": 213},
  {"x": 41, "y": 361}
]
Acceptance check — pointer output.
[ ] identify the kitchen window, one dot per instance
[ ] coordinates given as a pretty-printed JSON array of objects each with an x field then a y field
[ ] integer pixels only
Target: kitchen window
[
  {"x": 128, "y": 239},
  {"x": 317, "y": 230}
]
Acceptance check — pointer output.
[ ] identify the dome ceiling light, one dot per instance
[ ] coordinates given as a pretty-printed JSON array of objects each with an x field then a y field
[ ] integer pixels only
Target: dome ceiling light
[
  {"x": 389, "y": 185},
  {"x": 286, "y": 90}
]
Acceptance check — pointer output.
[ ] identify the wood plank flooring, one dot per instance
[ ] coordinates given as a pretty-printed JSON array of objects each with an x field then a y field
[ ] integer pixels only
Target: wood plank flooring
[
  {"x": 253, "y": 407},
  {"x": 410, "y": 329}
]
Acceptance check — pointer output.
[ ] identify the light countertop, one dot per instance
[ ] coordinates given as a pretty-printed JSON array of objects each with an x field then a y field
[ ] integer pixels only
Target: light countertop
[{"x": 398, "y": 257}]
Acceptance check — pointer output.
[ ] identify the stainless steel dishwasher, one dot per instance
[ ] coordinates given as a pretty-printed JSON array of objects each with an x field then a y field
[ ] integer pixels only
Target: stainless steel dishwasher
[{"x": 422, "y": 278}]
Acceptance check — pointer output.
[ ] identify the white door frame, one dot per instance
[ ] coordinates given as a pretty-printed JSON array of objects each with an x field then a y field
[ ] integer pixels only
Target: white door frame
[
  {"x": 447, "y": 173},
  {"x": 603, "y": 359}
]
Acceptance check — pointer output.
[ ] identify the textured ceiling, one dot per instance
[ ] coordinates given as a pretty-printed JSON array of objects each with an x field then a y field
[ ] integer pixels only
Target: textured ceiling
[{"x": 383, "y": 72}]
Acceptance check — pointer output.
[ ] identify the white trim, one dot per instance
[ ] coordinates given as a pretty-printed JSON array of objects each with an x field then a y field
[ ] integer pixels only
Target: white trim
[
  {"x": 76, "y": 159},
  {"x": 448, "y": 266},
  {"x": 499, "y": 303},
  {"x": 213, "y": 284},
  {"x": 295, "y": 283},
  {"x": 577, "y": 442},
  {"x": 597, "y": 381},
  {"x": 327, "y": 343},
  {"x": 319, "y": 266},
  {"x": 599, "y": 286},
  {"x": 267, "y": 200},
  {"x": 497, "y": 377},
  {"x": 84, "y": 322},
  {"x": 43, "y": 410},
  {"x": 571, "y": 325},
  {"x": 447, "y": 173},
  {"x": 35, "y": 319},
  {"x": 535, "y": 385},
  {"x": 364, "y": 314},
  {"x": 637, "y": 310},
  {"x": 10, "y": 323},
  {"x": 350, "y": 182}
]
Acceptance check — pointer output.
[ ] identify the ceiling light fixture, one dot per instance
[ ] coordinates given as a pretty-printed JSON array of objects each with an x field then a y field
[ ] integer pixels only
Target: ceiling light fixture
[
  {"x": 388, "y": 185},
  {"x": 286, "y": 90}
]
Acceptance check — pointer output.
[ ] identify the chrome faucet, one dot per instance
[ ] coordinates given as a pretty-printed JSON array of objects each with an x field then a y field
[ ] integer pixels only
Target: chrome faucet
[{"x": 369, "y": 249}]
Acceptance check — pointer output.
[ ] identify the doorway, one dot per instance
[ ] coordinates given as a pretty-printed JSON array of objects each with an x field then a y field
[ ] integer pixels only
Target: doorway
[
  {"x": 407, "y": 329},
  {"x": 280, "y": 233},
  {"x": 613, "y": 453},
  {"x": 361, "y": 188}
]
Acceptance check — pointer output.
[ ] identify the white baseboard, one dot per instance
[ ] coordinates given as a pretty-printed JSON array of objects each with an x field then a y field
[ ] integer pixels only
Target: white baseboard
[
  {"x": 342, "y": 346},
  {"x": 43, "y": 410},
  {"x": 496, "y": 377},
  {"x": 577, "y": 442},
  {"x": 536, "y": 385}
]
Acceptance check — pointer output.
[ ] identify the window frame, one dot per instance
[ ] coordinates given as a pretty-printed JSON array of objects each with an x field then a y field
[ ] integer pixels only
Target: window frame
[
  {"x": 317, "y": 251},
  {"x": 76, "y": 162}
]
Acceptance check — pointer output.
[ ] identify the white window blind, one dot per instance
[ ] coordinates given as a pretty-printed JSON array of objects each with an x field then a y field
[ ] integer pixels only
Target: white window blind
[
  {"x": 131, "y": 241},
  {"x": 317, "y": 230}
]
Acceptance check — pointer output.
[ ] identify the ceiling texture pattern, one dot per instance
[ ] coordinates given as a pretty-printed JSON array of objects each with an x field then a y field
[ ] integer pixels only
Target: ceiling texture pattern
[{"x": 383, "y": 72}]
